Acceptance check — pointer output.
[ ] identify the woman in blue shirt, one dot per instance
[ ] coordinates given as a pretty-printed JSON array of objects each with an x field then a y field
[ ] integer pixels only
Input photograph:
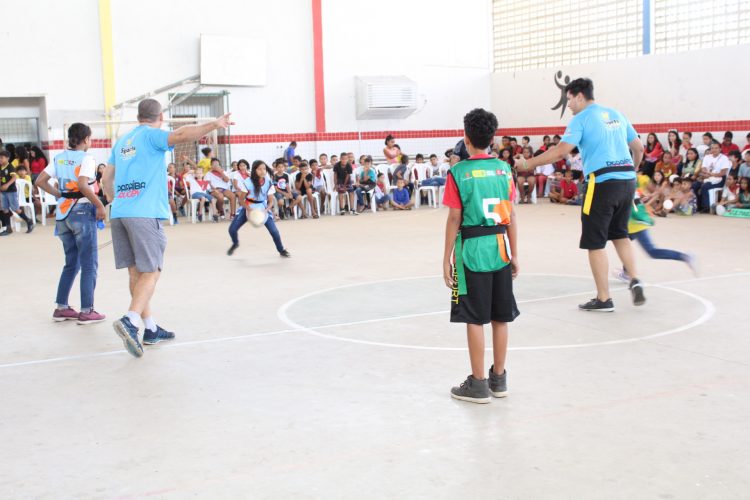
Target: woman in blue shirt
[{"x": 259, "y": 194}]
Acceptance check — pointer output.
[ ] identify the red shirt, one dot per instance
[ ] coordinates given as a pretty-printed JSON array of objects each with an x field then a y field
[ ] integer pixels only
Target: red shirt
[
  {"x": 569, "y": 190},
  {"x": 37, "y": 165},
  {"x": 726, "y": 148}
]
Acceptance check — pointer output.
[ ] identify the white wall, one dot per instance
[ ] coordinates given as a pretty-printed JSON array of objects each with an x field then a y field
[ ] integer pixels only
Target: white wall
[
  {"x": 705, "y": 85},
  {"x": 441, "y": 44}
]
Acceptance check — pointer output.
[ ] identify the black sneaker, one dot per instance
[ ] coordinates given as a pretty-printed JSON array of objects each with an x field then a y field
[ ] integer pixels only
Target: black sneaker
[
  {"x": 160, "y": 335},
  {"x": 597, "y": 305},
  {"x": 472, "y": 390},
  {"x": 498, "y": 383},
  {"x": 30, "y": 227},
  {"x": 636, "y": 290},
  {"x": 231, "y": 250},
  {"x": 8, "y": 231},
  {"x": 285, "y": 253},
  {"x": 343, "y": 212}
]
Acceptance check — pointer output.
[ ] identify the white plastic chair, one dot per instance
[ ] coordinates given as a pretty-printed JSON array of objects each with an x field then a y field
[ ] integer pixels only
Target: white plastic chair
[
  {"x": 328, "y": 177},
  {"x": 21, "y": 186},
  {"x": 419, "y": 173},
  {"x": 713, "y": 196},
  {"x": 170, "y": 186},
  {"x": 47, "y": 200},
  {"x": 195, "y": 205}
]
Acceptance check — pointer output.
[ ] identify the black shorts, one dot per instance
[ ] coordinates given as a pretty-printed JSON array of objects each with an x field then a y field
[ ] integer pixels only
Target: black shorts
[
  {"x": 489, "y": 298},
  {"x": 609, "y": 214}
]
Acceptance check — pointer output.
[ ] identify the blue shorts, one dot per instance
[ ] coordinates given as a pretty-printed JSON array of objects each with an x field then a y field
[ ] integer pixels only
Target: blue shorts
[{"x": 9, "y": 201}]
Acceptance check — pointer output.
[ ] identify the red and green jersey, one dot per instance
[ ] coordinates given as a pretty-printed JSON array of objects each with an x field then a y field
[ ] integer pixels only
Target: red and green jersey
[{"x": 482, "y": 187}]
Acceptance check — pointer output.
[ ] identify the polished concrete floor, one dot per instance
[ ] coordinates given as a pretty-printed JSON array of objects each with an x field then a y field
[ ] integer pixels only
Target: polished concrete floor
[{"x": 327, "y": 375}]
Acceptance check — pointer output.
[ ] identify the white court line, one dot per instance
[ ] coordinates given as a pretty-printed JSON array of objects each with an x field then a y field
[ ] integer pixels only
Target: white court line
[
  {"x": 708, "y": 312},
  {"x": 305, "y": 329}
]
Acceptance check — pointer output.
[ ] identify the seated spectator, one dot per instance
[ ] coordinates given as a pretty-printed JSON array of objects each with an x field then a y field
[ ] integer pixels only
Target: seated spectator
[
  {"x": 505, "y": 142},
  {"x": 727, "y": 146},
  {"x": 575, "y": 163},
  {"x": 381, "y": 196},
  {"x": 22, "y": 173},
  {"x": 319, "y": 183},
  {"x": 666, "y": 165},
  {"x": 400, "y": 197},
  {"x": 554, "y": 181},
  {"x": 556, "y": 139},
  {"x": 525, "y": 141},
  {"x": 171, "y": 185},
  {"x": 304, "y": 186},
  {"x": 659, "y": 190},
  {"x": 404, "y": 172},
  {"x": 544, "y": 173},
  {"x": 365, "y": 182},
  {"x": 515, "y": 147},
  {"x": 390, "y": 151},
  {"x": 286, "y": 199},
  {"x": 436, "y": 168},
  {"x": 692, "y": 165},
  {"x": 344, "y": 182},
  {"x": 652, "y": 154},
  {"x": 546, "y": 141},
  {"x": 199, "y": 190},
  {"x": 735, "y": 160},
  {"x": 745, "y": 167},
  {"x": 707, "y": 139},
  {"x": 526, "y": 178},
  {"x": 712, "y": 176},
  {"x": 685, "y": 201},
  {"x": 746, "y": 147},
  {"x": 334, "y": 161},
  {"x": 495, "y": 150},
  {"x": 673, "y": 146},
  {"x": 38, "y": 162},
  {"x": 567, "y": 192},
  {"x": 221, "y": 186},
  {"x": 685, "y": 145},
  {"x": 296, "y": 162},
  {"x": 729, "y": 195},
  {"x": 743, "y": 195},
  {"x": 323, "y": 161}
]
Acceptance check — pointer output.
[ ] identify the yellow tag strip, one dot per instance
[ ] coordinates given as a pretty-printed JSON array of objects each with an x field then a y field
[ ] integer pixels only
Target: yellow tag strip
[{"x": 589, "y": 194}]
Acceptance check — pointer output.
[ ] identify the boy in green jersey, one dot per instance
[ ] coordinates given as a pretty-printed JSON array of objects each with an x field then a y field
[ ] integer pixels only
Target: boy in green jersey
[{"x": 480, "y": 259}]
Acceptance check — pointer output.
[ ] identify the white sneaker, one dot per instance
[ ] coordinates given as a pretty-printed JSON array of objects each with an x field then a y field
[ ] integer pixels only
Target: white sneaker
[{"x": 621, "y": 275}]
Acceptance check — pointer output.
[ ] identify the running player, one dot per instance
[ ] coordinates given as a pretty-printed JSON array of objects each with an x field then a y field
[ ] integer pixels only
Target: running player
[{"x": 259, "y": 189}]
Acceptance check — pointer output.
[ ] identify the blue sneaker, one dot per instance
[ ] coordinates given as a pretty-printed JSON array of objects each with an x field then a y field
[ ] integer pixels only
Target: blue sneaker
[
  {"x": 129, "y": 335},
  {"x": 160, "y": 335}
]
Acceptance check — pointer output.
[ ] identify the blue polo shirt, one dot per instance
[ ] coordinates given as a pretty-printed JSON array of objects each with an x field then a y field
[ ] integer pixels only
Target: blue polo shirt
[
  {"x": 602, "y": 135},
  {"x": 260, "y": 196},
  {"x": 141, "y": 174}
]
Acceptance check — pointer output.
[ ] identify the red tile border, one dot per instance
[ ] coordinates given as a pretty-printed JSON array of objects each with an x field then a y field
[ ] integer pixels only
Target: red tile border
[{"x": 643, "y": 128}]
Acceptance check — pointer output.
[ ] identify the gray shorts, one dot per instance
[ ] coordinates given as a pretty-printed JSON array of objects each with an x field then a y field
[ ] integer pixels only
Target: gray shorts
[
  {"x": 9, "y": 201},
  {"x": 139, "y": 242}
]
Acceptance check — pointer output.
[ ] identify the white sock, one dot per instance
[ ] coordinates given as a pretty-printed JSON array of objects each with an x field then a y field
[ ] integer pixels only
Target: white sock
[
  {"x": 150, "y": 323},
  {"x": 134, "y": 318}
]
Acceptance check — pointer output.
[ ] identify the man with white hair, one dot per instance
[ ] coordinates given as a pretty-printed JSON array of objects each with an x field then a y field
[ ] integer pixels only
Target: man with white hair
[{"x": 135, "y": 181}]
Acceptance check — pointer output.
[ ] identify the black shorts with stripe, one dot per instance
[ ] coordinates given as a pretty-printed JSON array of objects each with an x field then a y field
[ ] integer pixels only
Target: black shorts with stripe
[
  {"x": 609, "y": 213},
  {"x": 489, "y": 298}
]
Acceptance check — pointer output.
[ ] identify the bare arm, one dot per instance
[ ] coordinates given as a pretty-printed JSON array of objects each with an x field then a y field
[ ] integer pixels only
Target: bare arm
[
  {"x": 636, "y": 146},
  {"x": 191, "y": 133},
  {"x": 452, "y": 225},
  {"x": 512, "y": 231},
  {"x": 108, "y": 182},
  {"x": 551, "y": 156},
  {"x": 42, "y": 182}
]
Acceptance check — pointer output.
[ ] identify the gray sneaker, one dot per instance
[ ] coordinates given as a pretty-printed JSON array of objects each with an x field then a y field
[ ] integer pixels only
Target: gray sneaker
[
  {"x": 472, "y": 390},
  {"x": 498, "y": 383}
]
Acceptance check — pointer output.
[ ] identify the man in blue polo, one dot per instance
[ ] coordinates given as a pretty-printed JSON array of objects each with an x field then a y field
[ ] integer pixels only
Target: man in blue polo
[
  {"x": 135, "y": 181},
  {"x": 605, "y": 138}
]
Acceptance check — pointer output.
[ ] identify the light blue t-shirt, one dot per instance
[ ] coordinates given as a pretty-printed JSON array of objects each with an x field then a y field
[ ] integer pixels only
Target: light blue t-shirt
[
  {"x": 262, "y": 196},
  {"x": 602, "y": 134},
  {"x": 141, "y": 174}
]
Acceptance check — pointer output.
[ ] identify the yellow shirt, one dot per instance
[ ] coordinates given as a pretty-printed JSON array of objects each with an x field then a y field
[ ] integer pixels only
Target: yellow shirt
[
  {"x": 14, "y": 162},
  {"x": 27, "y": 178},
  {"x": 205, "y": 164}
]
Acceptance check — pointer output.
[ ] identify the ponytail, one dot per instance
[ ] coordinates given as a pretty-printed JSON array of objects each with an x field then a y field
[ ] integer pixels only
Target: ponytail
[{"x": 77, "y": 134}]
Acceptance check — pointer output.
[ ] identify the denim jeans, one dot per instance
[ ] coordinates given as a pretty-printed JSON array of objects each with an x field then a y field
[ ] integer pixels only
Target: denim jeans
[
  {"x": 644, "y": 239},
  {"x": 241, "y": 218},
  {"x": 434, "y": 181},
  {"x": 360, "y": 192},
  {"x": 78, "y": 235}
]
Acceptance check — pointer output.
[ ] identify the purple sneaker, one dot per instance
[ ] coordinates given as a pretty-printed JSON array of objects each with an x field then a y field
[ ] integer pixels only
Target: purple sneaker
[
  {"x": 65, "y": 314},
  {"x": 90, "y": 317}
]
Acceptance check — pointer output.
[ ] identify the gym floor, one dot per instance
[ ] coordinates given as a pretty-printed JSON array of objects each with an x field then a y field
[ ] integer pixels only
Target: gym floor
[{"x": 327, "y": 375}]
